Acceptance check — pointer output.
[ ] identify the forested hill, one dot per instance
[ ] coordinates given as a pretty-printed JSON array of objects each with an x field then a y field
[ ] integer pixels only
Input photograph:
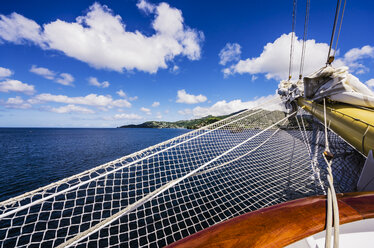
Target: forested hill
[
  {"x": 190, "y": 124},
  {"x": 197, "y": 123}
]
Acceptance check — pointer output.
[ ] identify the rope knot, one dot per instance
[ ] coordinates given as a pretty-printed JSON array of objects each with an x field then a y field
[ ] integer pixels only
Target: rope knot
[{"x": 329, "y": 156}]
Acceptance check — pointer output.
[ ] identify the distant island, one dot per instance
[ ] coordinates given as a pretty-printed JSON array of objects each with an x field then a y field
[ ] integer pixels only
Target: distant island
[
  {"x": 271, "y": 117},
  {"x": 189, "y": 124}
]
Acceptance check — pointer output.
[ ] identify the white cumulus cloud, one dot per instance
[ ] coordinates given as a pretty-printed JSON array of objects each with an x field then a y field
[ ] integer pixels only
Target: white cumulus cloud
[
  {"x": 223, "y": 107},
  {"x": 155, "y": 104},
  {"x": 358, "y": 53},
  {"x": 175, "y": 69},
  {"x": 100, "y": 38},
  {"x": 370, "y": 83},
  {"x": 44, "y": 72},
  {"x": 127, "y": 116},
  {"x": 65, "y": 79},
  {"x": 121, "y": 93},
  {"x": 62, "y": 78},
  {"x": 231, "y": 52},
  {"x": 93, "y": 81},
  {"x": 184, "y": 97},
  {"x": 274, "y": 59},
  {"x": 145, "y": 6},
  {"x": 185, "y": 112},
  {"x": 145, "y": 110},
  {"x": 16, "y": 86},
  {"x": 17, "y": 103},
  {"x": 19, "y": 29},
  {"x": 72, "y": 108},
  {"x": 354, "y": 59},
  {"x": 90, "y": 100},
  {"x": 5, "y": 72}
]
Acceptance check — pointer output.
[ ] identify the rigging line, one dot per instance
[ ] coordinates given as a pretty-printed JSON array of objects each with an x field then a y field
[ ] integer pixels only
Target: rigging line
[
  {"x": 332, "y": 202},
  {"x": 333, "y": 30},
  {"x": 340, "y": 27},
  {"x": 304, "y": 38},
  {"x": 289, "y": 167},
  {"x": 237, "y": 158},
  {"x": 292, "y": 38},
  {"x": 327, "y": 148},
  {"x": 313, "y": 162},
  {"x": 304, "y": 137},
  {"x": 332, "y": 210}
]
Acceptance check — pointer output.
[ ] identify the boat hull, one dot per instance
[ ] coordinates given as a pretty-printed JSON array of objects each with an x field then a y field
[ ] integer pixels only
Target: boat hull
[{"x": 282, "y": 224}]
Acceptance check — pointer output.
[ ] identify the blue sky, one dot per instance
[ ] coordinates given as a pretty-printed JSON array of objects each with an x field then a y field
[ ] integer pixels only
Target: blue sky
[{"x": 108, "y": 63}]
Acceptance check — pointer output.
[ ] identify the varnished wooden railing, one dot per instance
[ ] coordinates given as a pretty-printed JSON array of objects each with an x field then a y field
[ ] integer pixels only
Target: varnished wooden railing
[{"x": 282, "y": 224}]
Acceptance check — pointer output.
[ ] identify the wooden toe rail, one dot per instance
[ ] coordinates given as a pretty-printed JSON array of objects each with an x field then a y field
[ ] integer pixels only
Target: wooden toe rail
[{"x": 282, "y": 224}]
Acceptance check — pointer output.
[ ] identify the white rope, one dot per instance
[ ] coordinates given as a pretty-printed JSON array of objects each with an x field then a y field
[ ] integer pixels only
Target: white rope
[
  {"x": 331, "y": 195},
  {"x": 313, "y": 160},
  {"x": 303, "y": 135}
]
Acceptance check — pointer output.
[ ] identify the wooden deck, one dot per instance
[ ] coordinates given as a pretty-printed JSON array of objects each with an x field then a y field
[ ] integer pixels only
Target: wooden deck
[{"x": 282, "y": 224}]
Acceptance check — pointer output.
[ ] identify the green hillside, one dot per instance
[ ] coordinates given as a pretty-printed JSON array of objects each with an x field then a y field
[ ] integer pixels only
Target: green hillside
[
  {"x": 271, "y": 117},
  {"x": 189, "y": 124}
]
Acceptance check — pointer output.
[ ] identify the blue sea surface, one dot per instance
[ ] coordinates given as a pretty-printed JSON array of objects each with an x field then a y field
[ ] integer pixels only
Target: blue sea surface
[{"x": 34, "y": 157}]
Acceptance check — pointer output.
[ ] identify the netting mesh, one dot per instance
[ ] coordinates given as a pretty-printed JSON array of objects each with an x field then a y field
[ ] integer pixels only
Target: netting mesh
[
  {"x": 166, "y": 192},
  {"x": 347, "y": 161}
]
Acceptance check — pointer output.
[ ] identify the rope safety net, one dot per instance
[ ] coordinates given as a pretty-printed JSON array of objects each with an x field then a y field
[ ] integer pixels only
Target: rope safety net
[{"x": 154, "y": 197}]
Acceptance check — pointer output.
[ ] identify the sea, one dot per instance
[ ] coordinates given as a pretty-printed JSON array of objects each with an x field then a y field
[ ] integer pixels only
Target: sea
[{"x": 34, "y": 157}]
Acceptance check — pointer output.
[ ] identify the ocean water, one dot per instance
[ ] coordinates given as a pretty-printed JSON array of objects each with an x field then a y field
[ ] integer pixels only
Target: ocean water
[{"x": 34, "y": 157}]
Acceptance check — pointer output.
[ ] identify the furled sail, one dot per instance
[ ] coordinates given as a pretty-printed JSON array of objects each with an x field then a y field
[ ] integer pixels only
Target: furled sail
[{"x": 337, "y": 84}]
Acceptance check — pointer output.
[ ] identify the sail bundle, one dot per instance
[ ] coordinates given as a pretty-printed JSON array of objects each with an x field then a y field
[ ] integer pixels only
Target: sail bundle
[{"x": 337, "y": 84}]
